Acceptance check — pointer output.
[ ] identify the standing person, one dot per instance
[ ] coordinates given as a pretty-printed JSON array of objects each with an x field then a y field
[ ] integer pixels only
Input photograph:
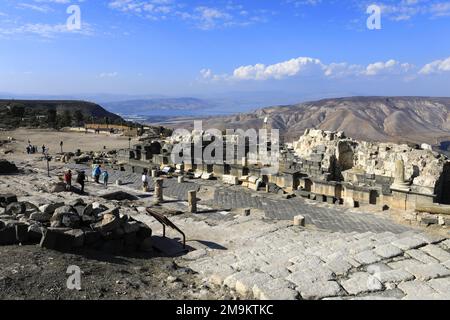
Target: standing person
[
  {"x": 97, "y": 173},
  {"x": 28, "y": 149},
  {"x": 80, "y": 179},
  {"x": 68, "y": 180},
  {"x": 145, "y": 181},
  {"x": 105, "y": 176},
  {"x": 43, "y": 148}
]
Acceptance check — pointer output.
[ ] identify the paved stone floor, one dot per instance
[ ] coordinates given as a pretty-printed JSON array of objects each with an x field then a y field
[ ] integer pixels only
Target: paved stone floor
[
  {"x": 332, "y": 219},
  {"x": 354, "y": 255}
]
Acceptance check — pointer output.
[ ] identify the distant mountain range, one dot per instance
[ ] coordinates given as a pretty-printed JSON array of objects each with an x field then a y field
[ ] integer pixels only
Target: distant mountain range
[{"x": 398, "y": 119}]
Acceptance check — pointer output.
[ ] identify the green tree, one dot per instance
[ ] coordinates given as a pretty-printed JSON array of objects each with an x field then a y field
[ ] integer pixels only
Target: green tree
[
  {"x": 52, "y": 118},
  {"x": 18, "y": 111},
  {"x": 79, "y": 117},
  {"x": 66, "y": 120}
]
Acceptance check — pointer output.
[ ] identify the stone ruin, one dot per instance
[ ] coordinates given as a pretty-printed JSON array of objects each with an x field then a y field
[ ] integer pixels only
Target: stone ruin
[
  {"x": 7, "y": 167},
  {"x": 358, "y": 172},
  {"x": 74, "y": 225}
]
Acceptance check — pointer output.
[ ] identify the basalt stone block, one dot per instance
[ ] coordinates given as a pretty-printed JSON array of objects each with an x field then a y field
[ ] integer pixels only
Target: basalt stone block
[
  {"x": 7, "y": 198},
  {"x": 108, "y": 224},
  {"x": 40, "y": 217},
  {"x": 15, "y": 208},
  {"x": 57, "y": 239},
  {"x": 144, "y": 232},
  {"x": 130, "y": 239},
  {"x": 21, "y": 232},
  {"x": 35, "y": 233},
  {"x": 77, "y": 237},
  {"x": 131, "y": 227},
  {"x": 8, "y": 236},
  {"x": 91, "y": 237}
]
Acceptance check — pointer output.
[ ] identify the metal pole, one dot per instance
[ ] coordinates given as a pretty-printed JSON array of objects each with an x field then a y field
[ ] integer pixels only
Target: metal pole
[{"x": 48, "y": 166}]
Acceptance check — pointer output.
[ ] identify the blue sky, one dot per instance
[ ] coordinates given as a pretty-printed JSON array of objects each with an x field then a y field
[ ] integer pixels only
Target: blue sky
[{"x": 176, "y": 47}]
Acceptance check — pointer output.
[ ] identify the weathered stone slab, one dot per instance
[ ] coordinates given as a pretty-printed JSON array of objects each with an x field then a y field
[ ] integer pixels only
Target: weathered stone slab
[
  {"x": 311, "y": 275},
  {"x": 394, "y": 276},
  {"x": 403, "y": 264},
  {"x": 428, "y": 271},
  {"x": 367, "y": 257},
  {"x": 244, "y": 285},
  {"x": 266, "y": 289},
  {"x": 445, "y": 244},
  {"x": 421, "y": 256},
  {"x": 409, "y": 243},
  {"x": 388, "y": 251},
  {"x": 440, "y": 285},
  {"x": 361, "y": 283},
  {"x": 339, "y": 266},
  {"x": 279, "y": 294},
  {"x": 416, "y": 288},
  {"x": 314, "y": 290},
  {"x": 430, "y": 238},
  {"x": 436, "y": 252},
  {"x": 231, "y": 280}
]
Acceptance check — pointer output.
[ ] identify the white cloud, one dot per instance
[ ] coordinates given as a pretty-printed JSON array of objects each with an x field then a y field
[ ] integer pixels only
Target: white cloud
[
  {"x": 202, "y": 17},
  {"x": 108, "y": 74},
  {"x": 39, "y": 8},
  {"x": 388, "y": 67},
  {"x": 277, "y": 71},
  {"x": 438, "y": 66},
  {"x": 307, "y": 66},
  {"x": 45, "y": 30}
]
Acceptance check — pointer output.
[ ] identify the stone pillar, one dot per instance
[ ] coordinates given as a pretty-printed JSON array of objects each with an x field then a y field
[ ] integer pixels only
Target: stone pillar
[
  {"x": 180, "y": 179},
  {"x": 154, "y": 174},
  {"x": 299, "y": 221},
  {"x": 399, "y": 178},
  {"x": 192, "y": 199},
  {"x": 267, "y": 188},
  {"x": 159, "y": 190}
]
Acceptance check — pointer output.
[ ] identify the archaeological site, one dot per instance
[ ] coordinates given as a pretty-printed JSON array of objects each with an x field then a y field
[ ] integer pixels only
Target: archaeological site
[{"x": 336, "y": 218}]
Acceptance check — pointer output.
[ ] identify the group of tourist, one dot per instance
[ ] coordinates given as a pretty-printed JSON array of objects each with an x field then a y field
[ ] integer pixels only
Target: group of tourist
[
  {"x": 97, "y": 174},
  {"x": 81, "y": 178},
  {"x": 31, "y": 149}
]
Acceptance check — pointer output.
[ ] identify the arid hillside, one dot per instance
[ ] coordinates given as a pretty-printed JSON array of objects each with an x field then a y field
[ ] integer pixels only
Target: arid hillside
[{"x": 398, "y": 119}]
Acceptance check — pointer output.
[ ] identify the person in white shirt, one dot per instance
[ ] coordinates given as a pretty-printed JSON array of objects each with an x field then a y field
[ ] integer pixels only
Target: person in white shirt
[{"x": 145, "y": 180}]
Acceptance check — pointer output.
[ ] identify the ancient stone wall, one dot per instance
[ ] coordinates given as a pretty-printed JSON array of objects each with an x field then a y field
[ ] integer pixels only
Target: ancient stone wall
[{"x": 424, "y": 168}]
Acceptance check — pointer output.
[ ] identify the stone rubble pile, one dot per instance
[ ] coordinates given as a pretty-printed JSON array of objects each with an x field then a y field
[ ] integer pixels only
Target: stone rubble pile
[
  {"x": 423, "y": 167},
  {"x": 7, "y": 167},
  {"x": 64, "y": 227},
  {"x": 87, "y": 157}
]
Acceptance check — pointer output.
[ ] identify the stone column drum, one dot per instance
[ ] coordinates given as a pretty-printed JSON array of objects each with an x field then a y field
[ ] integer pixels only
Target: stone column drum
[
  {"x": 192, "y": 200},
  {"x": 159, "y": 190}
]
